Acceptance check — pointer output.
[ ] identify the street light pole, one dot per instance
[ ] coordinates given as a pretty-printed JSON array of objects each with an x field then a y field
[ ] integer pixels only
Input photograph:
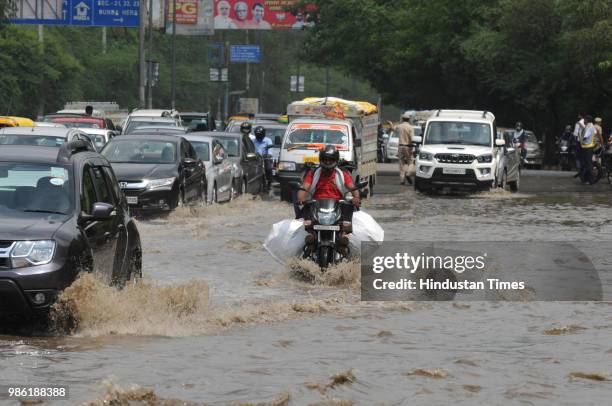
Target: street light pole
[
  {"x": 150, "y": 66},
  {"x": 173, "y": 86},
  {"x": 141, "y": 55}
]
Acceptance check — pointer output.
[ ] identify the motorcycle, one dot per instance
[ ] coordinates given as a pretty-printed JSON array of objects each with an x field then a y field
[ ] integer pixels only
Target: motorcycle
[
  {"x": 565, "y": 155},
  {"x": 328, "y": 222}
]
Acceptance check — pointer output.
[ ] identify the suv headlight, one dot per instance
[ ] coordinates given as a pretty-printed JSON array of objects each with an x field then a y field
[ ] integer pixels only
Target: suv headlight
[
  {"x": 425, "y": 156},
  {"x": 165, "y": 183},
  {"x": 286, "y": 166},
  {"x": 485, "y": 159},
  {"x": 26, "y": 253}
]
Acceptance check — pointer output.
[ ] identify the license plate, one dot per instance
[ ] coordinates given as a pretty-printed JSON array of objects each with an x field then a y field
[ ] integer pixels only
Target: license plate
[
  {"x": 313, "y": 159},
  {"x": 453, "y": 171},
  {"x": 132, "y": 199},
  {"x": 326, "y": 228}
]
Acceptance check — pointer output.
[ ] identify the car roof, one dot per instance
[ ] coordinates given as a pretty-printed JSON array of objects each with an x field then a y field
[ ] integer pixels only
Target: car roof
[
  {"x": 78, "y": 119},
  {"x": 147, "y": 137},
  {"x": 48, "y": 131},
  {"x": 36, "y": 154},
  {"x": 102, "y": 131},
  {"x": 216, "y": 134},
  {"x": 477, "y": 116},
  {"x": 194, "y": 113},
  {"x": 152, "y": 112},
  {"x": 199, "y": 137},
  {"x": 155, "y": 129},
  {"x": 49, "y": 124},
  {"x": 153, "y": 119}
]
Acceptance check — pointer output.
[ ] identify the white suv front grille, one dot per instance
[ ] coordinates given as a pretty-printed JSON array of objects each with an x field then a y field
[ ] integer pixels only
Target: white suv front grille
[{"x": 455, "y": 158}]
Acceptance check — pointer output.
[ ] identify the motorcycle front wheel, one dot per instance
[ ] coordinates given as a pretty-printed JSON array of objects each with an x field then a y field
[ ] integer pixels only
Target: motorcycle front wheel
[{"x": 325, "y": 257}]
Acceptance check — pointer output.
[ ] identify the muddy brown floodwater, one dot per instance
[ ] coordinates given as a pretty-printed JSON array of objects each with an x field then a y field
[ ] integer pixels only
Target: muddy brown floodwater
[{"x": 217, "y": 321}]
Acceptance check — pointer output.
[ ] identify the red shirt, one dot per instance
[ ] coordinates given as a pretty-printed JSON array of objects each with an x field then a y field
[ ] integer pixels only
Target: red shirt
[{"x": 326, "y": 187}]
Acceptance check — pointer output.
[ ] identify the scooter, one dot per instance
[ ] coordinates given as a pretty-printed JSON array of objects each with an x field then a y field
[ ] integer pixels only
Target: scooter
[{"x": 328, "y": 222}]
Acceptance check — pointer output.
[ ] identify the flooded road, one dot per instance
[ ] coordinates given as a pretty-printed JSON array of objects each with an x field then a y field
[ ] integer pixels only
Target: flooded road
[{"x": 218, "y": 321}]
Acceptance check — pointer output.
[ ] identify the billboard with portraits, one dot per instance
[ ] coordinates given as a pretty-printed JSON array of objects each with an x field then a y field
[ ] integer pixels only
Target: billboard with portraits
[{"x": 260, "y": 15}]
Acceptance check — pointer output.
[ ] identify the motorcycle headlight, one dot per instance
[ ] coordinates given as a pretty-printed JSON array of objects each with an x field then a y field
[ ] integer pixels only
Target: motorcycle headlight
[
  {"x": 327, "y": 219},
  {"x": 485, "y": 159},
  {"x": 157, "y": 184},
  {"x": 26, "y": 253},
  {"x": 286, "y": 166},
  {"x": 425, "y": 156},
  {"x": 564, "y": 148}
]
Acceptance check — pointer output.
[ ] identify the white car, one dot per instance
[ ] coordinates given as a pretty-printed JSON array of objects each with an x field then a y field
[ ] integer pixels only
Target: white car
[
  {"x": 99, "y": 136},
  {"x": 460, "y": 150},
  {"x": 144, "y": 114}
]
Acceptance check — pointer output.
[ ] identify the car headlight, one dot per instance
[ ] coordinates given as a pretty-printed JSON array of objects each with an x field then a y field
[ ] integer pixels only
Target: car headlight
[
  {"x": 485, "y": 159},
  {"x": 563, "y": 148},
  {"x": 286, "y": 166},
  {"x": 425, "y": 156},
  {"x": 165, "y": 183},
  {"x": 26, "y": 253}
]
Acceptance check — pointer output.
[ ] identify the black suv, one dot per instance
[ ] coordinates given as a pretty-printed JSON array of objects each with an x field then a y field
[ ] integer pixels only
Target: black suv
[{"x": 61, "y": 213}]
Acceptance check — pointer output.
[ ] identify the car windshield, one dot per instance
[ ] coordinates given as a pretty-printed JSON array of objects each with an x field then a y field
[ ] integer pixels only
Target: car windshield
[
  {"x": 273, "y": 133},
  {"x": 305, "y": 134},
  {"x": 231, "y": 145},
  {"x": 461, "y": 133},
  {"x": 140, "y": 152},
  {"x": 137, "y": 124},
  {"x": 98, "y": 140},
  {"x": 202, "y": 149},
  {"x": 195, "y": 123},
  {"x": 40, "y": 141},
  {"x": 40, "y": 188}
]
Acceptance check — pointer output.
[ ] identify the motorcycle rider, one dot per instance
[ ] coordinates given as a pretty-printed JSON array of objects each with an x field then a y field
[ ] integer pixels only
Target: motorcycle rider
[
  {"x": 327, "y": 182},
  {"x": 246, "y": 128},
  {"x": 520, "y": 137},
  {"x": 568, "y": 138},
  {"x": 262, "y": 143}
]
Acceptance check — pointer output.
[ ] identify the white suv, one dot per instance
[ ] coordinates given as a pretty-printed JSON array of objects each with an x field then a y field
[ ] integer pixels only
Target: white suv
[{"x": 459, "y": 151}]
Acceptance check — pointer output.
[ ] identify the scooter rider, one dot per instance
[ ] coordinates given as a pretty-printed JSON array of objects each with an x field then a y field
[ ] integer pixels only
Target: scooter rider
[
  {"x": 262, "y": 143},
  {"x": 328, "y": 182}
]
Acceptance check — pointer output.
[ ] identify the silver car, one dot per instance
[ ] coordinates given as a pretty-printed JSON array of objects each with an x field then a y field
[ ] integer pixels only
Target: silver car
[
  {"x": 138, "y": 122},
  {"x": 219, "y": 179},
  {"x": 509, "y": 168},
  {"x": 42, "y": 136}
]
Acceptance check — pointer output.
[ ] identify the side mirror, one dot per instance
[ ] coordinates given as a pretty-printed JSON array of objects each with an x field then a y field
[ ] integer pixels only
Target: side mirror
[
  {"x": 251, "y": 156},
  {"x": 417, "y": 139},
  {"x": 357, "y": 142},
  {"x": 99, "y": 212},
  {"x": 500, "y": 142}
]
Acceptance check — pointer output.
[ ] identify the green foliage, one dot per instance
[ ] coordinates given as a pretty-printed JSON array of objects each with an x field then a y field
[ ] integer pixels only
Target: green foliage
[{"x": 536, "y": 61}]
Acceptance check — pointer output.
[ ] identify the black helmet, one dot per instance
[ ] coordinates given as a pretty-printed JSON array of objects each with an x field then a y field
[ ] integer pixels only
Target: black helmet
[
  {"x": 260, "y": 133},
  {"x": 327, "y": 153},
  {"x": 245, "y": 126}
]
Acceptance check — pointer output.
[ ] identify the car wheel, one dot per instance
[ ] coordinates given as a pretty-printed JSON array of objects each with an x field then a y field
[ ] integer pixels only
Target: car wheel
[{"x": 134, "y": 271}]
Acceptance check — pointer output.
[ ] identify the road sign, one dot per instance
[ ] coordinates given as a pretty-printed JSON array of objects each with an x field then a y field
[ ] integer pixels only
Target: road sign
[
  {"x": 91, "y": 13},
  {"x": 244, "y": 53},
  {"x": 224, "y": 74}
]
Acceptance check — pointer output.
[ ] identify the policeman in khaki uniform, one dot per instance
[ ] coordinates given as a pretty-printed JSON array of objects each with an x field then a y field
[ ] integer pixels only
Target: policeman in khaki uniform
[{"x": 405, "y": 133}]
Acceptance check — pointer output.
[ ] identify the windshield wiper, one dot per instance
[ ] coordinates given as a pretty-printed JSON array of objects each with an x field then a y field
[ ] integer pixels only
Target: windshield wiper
[{"x": 43, "y": 211}]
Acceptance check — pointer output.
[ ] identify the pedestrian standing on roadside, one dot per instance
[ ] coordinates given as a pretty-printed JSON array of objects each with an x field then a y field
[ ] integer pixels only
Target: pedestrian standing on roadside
[
  {"x": 578, "y": 130},
  {"x": 405, "y": 133},
  {"x": 587, "y": 145}
]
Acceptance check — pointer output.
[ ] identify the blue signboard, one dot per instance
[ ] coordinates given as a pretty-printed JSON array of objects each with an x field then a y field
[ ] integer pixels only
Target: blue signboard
[
  {"x": 245, "y": 53},
  {"x": 91, "y": 13}
]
